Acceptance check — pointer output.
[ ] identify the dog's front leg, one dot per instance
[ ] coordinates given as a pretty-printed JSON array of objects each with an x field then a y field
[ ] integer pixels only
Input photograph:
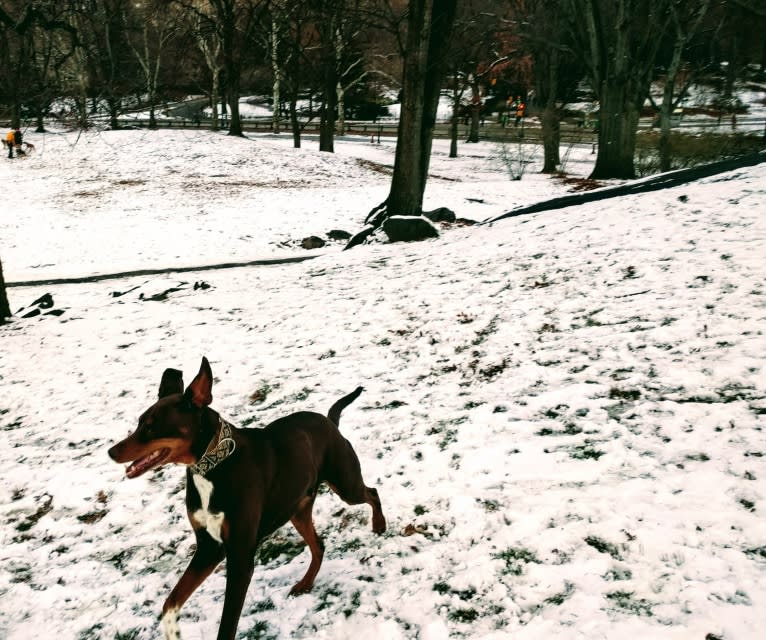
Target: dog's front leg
[
  {"x": 207, "y": 556},
  {"x": 240, "y": 562}
]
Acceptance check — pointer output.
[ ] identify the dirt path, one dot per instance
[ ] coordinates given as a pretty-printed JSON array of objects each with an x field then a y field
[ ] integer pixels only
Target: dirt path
[
  {"x": 655, "y": 183},
  {"x": 154, "y": 272}
]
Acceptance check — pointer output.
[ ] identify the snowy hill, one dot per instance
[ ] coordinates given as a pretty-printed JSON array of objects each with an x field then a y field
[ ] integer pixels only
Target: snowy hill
[{"x": 563, "y": 412}]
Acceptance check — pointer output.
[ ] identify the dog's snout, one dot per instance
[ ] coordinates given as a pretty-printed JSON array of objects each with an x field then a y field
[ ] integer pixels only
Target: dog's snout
[{"x": 117, "y": 452}]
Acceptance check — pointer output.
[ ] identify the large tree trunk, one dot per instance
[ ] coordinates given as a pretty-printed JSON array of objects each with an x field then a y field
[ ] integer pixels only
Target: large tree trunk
[
  {"x": 294, "y": 123},
  {"x": 551, "y": 129},
  {"x": 5, "y": 309},
  {"x": 329, "y": 111},
  {"x": 114, "y": 112},
  {"x": 215, "y": 90},
  {"x": 232, "y": 90},
  {"x": 475, "y": 113},
  {"x": 618, "y": 121},
  {"x": 276, "y": 70},
  {"x": 341, "y": 108},
  {"x": 548, "y": 89},
  {"x": 453, "y": 129},
  {"x": 428, "y": 31},
  {"x": 232, "y": 67}
]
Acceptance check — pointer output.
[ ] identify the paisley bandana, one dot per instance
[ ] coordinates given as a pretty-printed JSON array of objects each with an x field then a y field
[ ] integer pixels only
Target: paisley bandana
[{"x": 215, "y": 456}]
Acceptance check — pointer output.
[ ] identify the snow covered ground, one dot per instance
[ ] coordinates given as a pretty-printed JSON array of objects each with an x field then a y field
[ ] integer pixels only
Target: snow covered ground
[{"x": 563, "y": 413}]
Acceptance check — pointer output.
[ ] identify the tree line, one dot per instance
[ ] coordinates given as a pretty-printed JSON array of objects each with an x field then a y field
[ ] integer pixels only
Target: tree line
[
  {"x": 323, "y": 59},
  {"x": 76, "y": 58}
]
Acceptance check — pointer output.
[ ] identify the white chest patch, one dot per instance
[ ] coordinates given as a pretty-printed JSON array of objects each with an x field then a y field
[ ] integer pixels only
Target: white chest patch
[{"x": 203, "y": 517}]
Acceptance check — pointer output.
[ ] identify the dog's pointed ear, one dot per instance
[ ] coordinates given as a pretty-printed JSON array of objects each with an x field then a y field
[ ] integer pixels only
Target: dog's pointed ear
[
  {"x": 172, "y": 382},
  {"x": 198, "y": 392}
]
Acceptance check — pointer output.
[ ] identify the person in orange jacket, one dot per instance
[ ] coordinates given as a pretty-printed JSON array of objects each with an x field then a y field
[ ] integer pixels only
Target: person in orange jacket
[
  {"x": 520, "y": 111},
  {"x": 10, "y": 141}
]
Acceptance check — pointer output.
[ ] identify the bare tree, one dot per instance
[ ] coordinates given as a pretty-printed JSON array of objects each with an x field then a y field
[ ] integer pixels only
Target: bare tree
[
  {"x": 338, "y": 24},
  {"x": 202, "y": 27},
  {"x": 298, "y": 49},
  {"x": 107, "y": 69},
  {"x": 36, "y": 39},
  {"x": 687, "y": 16},
  {"x": 543, "y": 33},
  {"x": 618, "y": 41},
  {"x": 150, "y": 26},
  {"x": 429, "y": 29},
  {"x": 276, "y": 36},
  {"x": 235, "y": 21},
  {"x": 479, "y": 47}
]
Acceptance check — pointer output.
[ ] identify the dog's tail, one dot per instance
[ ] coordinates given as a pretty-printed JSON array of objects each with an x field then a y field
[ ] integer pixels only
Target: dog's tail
[{"x": 334, "y": 413}]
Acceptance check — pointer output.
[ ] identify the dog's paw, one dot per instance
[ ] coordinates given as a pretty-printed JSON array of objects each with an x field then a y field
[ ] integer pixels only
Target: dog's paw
[
  {"x": 170, "y": 627},
  {"x": 378, "y": 524},
  {"x": 300, "y": 588}
]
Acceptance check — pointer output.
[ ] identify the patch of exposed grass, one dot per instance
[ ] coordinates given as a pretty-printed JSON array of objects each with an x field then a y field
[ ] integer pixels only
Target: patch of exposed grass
[
  {"x": 603, "y": 546},
  {"x": 624, "y": 394},
  {"x": 463, "y": 615},
  {"x": 698, "y": 457},
  {"x": 493, "y": 370},
  {"x": 328, "y": 597},
  {"x": 757, "y": 552},
  {"x": 259, "y": 631},
  {"x": 394, "y": 404},
  {"x": 618, "y": 573},
  {"x": 21, "y": 573},
  {"x": 91, "y": 633},
  {"x": 747, "y": 504},
  {"x": 448, "y": 435},
  {"x": 627, "y": 602},
  {"x": 557, "y": 599},
  {"x": 441, "y": 588},
  {"x": 489, "y": 505},
  {"x": 45, "y": 506},
  {"x": 483, "y": 334},
  {"x": 261, "y": 393},
  {"x": 515, "y": 559},
  {"x": 570, "y": 429},
  {"x": 92, "y": 517},
  {"x": 263, "y": 605},
  {"x": 353, "y": 605},
  {"x": 354, "y": 544},
  {"x": 279, "y": 547},
  {"x": 585, "y": 452}
]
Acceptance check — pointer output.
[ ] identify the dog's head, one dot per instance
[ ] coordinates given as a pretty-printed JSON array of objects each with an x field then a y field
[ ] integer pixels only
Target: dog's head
[{"x": 173, "y": 429}]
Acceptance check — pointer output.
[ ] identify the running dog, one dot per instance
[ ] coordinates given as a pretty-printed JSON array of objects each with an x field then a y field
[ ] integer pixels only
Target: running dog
[{"x": 242, "y": 484}]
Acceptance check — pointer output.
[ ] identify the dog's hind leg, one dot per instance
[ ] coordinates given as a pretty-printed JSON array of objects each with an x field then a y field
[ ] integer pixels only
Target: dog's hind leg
[
  {"x": 344, "y": 476},
  {"x": 304, "y": 523},
  {"x": 206, "y": 557}
]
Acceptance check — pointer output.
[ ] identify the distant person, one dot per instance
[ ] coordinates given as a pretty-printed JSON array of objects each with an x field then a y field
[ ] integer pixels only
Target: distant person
[
  {"x": 18, "y": 140},
  {"x": 520, "y": 111},
  {"x": 10, "y": 140}
]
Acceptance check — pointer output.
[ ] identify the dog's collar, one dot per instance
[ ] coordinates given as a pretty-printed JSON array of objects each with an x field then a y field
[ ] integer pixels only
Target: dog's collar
[{"x": 215, "y": 456}]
